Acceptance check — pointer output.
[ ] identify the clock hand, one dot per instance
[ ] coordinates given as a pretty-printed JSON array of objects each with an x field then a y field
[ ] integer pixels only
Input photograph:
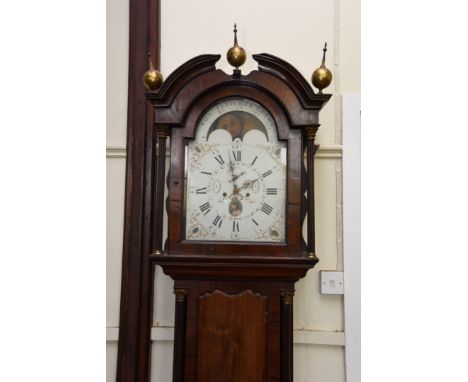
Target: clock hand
[
  {"x": 238, "y": 176},
  {"x": 231, "y": 166},
  {"x": 233, "y": 178},
  {"x": 249, "y": 182},
  {"x": 236, "y": 188}
]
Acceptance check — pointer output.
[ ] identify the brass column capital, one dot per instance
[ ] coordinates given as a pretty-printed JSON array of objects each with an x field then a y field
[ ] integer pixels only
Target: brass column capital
[
  {"x": 312, "y": 255},
  {"x": 287, "y": 296},
  {"x": 180, "y": 294},
  {"x": 162, "y": 131},
  {"x": 310, "y": 132}
]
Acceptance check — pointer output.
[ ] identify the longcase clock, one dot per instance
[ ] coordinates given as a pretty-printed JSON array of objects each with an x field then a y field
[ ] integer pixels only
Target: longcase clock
[{"x": 238, "y": 195}]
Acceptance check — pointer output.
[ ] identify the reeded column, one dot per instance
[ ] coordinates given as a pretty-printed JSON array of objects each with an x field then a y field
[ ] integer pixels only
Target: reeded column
[
  {"x": 162, "y": 134},
  {"x": 179, "y": 333},
  {"x": 287, "y": 335},
  {"x": 309, "y": 139}
]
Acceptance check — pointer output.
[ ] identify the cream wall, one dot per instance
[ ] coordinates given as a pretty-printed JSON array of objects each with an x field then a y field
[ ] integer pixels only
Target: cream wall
[{"x": 295, "y": 31}]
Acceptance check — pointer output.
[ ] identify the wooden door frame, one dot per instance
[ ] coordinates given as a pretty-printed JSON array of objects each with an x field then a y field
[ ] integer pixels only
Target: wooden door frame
[{"x": 134, "y": 350}]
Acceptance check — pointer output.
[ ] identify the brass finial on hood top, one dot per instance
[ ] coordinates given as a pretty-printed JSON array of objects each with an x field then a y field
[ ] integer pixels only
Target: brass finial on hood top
[
  {"x": 152, "y": 79},
  {"x": 236, "y": 55},
  {"x": 322, "y": 76}
]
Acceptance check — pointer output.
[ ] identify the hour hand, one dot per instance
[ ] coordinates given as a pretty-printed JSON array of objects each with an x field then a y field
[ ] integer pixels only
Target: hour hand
[
  {"x": 235, "y": 177},
  {"x": 248, "y": 183}
]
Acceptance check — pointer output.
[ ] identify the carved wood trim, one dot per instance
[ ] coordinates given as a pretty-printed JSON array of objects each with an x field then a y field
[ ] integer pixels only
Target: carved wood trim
[
  {"x": 275, "y": 76},
  {"x": 217, "y": 292},
  {"x": 276, "y": 66},
  {"x": 183, "y": 75}
]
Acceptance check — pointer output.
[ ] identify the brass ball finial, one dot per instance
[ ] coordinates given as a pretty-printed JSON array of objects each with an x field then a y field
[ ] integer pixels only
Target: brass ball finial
[
  {"x": 152, "y": 79},
  {"x": 322, "y": 77},
  {"x": 236, "y": 55}
]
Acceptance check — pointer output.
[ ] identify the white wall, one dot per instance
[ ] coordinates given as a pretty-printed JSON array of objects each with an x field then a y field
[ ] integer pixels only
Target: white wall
[
  {"x": 117, "y": 73},
  {"x": 295, "y": 31}
]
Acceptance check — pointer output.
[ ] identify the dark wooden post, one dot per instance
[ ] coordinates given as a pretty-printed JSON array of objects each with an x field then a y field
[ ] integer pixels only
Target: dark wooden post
[
  {"x": 137, "y": 270},
  {"x": 179, "y": 334},
  {"x": 147, "y": 268}
]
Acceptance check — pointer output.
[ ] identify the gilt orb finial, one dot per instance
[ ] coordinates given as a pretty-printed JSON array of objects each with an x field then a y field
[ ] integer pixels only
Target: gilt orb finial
[
  {"x": 322, "y": 76},
  {"x": 236, "y": 55},
  {"x": 152, "y": 78}
]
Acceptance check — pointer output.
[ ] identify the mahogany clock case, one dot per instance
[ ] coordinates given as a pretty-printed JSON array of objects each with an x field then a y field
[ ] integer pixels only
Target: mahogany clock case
[{"x": 233, "y": 300}]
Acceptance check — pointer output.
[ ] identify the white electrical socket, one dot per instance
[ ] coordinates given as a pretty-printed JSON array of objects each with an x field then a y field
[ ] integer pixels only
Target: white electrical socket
[{"x": 331, "y": 282}]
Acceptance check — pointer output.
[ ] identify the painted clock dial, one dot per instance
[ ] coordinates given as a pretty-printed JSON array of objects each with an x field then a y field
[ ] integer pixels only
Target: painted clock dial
[{"x": 235, "y": 175}]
